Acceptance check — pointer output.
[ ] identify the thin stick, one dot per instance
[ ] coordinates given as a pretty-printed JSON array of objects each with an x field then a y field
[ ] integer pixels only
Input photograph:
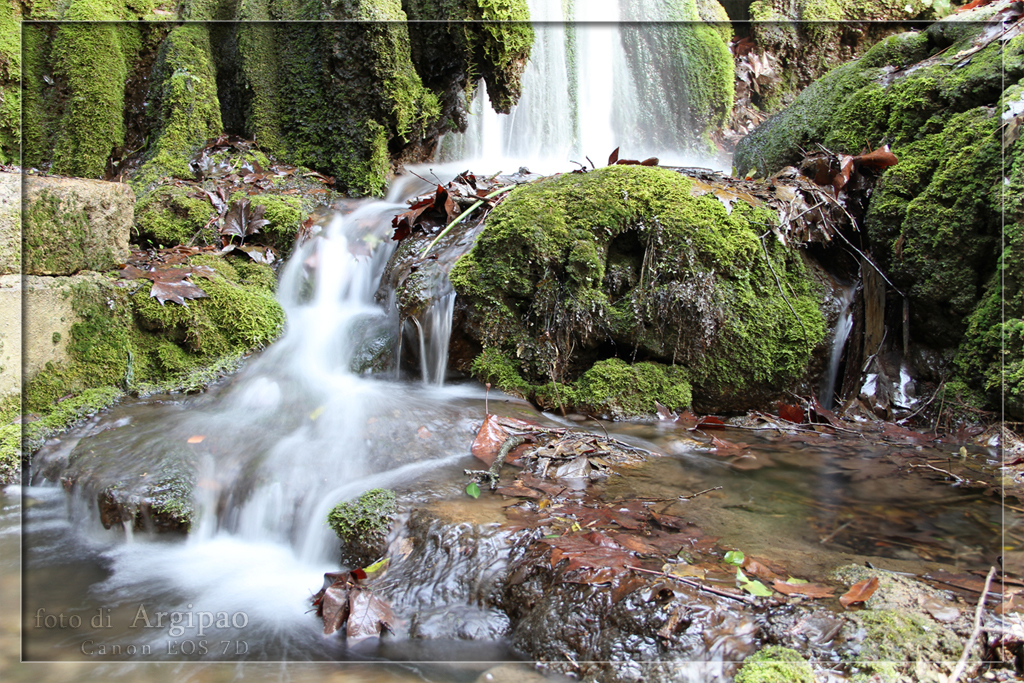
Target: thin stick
[
  {"x": 699, "y": 493},
  {"x": 833, "y": 534},
  {"x": 959, "y": 479},
  {"x": 962, "y": 664},
  {"x": 697, "y": 584},
  {"x": 463, "y": 215}
]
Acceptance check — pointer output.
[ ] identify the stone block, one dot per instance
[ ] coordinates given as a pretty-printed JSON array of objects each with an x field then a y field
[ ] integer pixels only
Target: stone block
[
  {"x": 10, "y": 223},
  {"x": 73, "y": 224}
]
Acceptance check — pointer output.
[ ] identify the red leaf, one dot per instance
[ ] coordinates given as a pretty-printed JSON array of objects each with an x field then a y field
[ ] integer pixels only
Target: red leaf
[
  {"x": 368, "y": 615},
  {"x": 653, "y": 161},
  {"x": 859, "y": 592},
  {"x": 791, "y": 413},
  {"x": 613, "y": 157}
]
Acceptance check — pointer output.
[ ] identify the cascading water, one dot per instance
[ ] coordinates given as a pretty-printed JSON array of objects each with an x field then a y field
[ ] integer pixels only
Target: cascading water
[{"x": 844, "y": 324}]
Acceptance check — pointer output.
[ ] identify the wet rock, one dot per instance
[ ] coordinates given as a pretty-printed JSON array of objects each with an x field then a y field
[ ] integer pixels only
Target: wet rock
[{"x": 363, "y": 524}]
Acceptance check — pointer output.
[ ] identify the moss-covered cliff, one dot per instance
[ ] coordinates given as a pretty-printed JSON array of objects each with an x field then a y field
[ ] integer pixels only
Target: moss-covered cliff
[
  {"x": 343, "y": 96},
  {"x": 935, "y": 221},
  {"x": 625, "y": 262}
]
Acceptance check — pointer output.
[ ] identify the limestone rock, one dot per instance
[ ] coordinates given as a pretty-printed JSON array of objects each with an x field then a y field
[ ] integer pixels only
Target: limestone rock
[{"x": 73, "y": 225}]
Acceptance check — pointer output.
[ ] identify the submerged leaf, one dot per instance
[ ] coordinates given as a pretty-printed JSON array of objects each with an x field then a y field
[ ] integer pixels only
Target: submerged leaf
[
  {"x": 473, "y": 490},
  {"x": 734, "y": 557}
]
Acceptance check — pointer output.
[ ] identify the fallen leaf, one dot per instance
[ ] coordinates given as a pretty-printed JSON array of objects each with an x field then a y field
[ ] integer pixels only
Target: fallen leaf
[
  {"x": 175, "y": 291},
  {"x": 473, "y": 489},
  {"x": 790, "y": 413},
  {"x": 859, "y": 592},
  {"x": 809, "y": 590},
  {"x": 196, "y": 439},
  {"x": 368, "y": 615},
  {"x": 489, "y": 439},
  {"x": 613, "y": 157}
]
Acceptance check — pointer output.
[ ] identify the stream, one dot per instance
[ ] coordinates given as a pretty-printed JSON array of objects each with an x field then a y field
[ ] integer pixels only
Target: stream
[{"x": 274, "y": 447}]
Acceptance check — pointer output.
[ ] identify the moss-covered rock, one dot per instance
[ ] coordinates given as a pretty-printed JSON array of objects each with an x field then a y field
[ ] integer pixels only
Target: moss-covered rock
[
  {"x": 934, "y": 220},
  {"x": 625, "y": 262},
  {"x": 775, "y": 664},
  {"x": 451, "y": 56},
  {"x": 184, "y": 99},
  {"x": 126, "y": 339},
  {"x": 71, "y": 225},
  {"x": 810, "y": 37},
  {"x": 363, "y": 524}
]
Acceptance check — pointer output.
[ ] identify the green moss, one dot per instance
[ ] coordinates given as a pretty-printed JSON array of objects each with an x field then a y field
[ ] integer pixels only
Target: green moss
[
  {"x": 893, "y": 638},
  {"x": 285, "y": 215},
  {"x": 623, "y": 391},
  {"x": 56, "y": 237},
  {"x": 171, "y": 215},
  {"x": 91, "y": 61},
  {"x": 775, "y": 664},
  {"x": 627, "y": 256},
  {"x": 37, "y": 96},
  {"x": 68, "y": 413},
  {"x": 186, "y": 105},
  {"x": 363, "y": 524},
  {"x": 495, "y": 367},
  {"x": 10, "y": 454},
  {"x": 10, "y": 83},
  {"x": 254, "y": 274}
]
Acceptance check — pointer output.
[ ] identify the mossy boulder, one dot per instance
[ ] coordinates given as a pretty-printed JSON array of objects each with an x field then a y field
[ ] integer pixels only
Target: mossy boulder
[
  {"x": 363, "y": 524},
  {"x": 775, "y": 664},
  {"x": 935, "y": 219},
  {"x": 626, "y": 262}
]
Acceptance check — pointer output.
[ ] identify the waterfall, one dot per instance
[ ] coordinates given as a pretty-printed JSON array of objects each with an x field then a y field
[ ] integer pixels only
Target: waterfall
[
  {"x": 844, "y": 324},
  {"x": 580, "y": 97}
]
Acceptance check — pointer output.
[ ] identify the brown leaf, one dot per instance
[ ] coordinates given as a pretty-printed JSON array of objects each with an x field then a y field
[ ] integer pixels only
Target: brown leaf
[
  {"x": 653, "y": 161},
  {"x": 671, "y": 521},
  {"x": 879, "y": 160},
  {"x": 335, "y": 606},
  {"x": 176, "y": 291},
  {"x": 810, "y": 590},
  {"x": 791, "y": 413},
  {"x": 368, "y": 615},
  {"x": 709, "y": 422},
  {"x": 859, "y": 592},
  {"x": 613, "y": 157},
  {"x": 488, "y": 440},
  {"x": 132, "y": 273}
]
